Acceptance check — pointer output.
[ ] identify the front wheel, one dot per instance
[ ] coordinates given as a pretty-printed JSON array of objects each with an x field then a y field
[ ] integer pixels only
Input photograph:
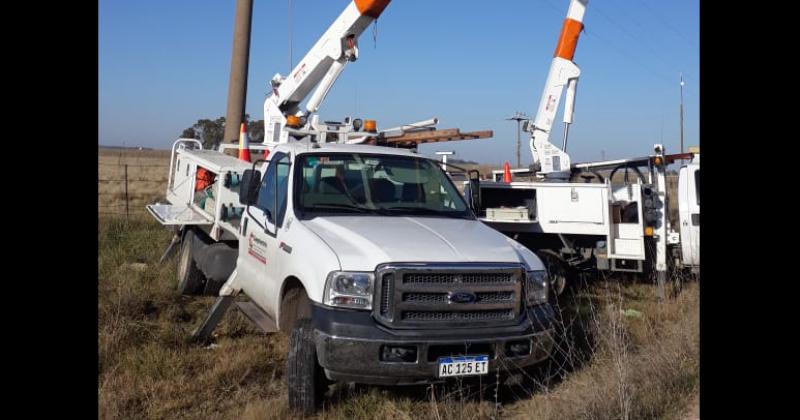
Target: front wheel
[
  {"x": 557, "y": 270},
  {"x": 306, "y": 379}
]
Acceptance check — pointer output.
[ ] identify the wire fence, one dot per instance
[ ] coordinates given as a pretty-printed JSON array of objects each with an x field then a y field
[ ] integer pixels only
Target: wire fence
[
  {"x": 129, "y": 181},
  {"x": 127, "y": 164}
]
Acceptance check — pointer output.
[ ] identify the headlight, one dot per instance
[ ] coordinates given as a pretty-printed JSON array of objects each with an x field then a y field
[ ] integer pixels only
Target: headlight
[
  {"x": 349, "y": 289},
  {"x": 536, "y": 287}
]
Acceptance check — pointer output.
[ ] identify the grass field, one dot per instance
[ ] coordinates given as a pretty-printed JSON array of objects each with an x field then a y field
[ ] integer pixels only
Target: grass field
[
  {"x": 621, "y": 355},
  {"x": 612, "y": 363}
]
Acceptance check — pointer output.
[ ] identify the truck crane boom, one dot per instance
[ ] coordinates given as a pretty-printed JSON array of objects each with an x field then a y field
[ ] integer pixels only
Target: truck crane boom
[
  {"x": 320, "y": 68},
  {"x": 549, "y": 160}
]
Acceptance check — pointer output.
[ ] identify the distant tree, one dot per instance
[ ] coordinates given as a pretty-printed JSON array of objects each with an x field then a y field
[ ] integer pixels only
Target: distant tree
[
  {"x": 189, "y": 133},
  {"x": 462, "y": 162},
  {"x": 211, "y": 132}
]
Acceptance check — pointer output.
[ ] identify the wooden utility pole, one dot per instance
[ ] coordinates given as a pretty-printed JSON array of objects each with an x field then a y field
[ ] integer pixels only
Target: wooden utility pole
[{"x": 518, "y": 117}]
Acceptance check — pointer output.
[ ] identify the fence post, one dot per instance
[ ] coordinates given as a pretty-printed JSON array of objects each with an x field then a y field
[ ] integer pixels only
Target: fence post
[{"x": 127, "y": 215}]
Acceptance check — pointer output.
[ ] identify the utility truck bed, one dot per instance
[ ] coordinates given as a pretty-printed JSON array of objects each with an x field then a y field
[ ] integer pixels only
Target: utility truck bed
[{"x": 202, "y": 190}]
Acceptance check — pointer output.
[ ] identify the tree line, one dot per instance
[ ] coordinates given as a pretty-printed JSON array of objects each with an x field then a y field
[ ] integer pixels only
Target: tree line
[{"x": 211, "y": 132}]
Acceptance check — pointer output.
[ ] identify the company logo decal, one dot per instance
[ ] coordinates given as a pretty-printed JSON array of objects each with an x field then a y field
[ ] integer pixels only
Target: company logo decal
[{"x": 257, "y": 248}]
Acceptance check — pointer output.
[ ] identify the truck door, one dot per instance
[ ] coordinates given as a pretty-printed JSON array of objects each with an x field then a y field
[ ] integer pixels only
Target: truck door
[
  {"x": 689, "y": 192},
  {"x": 258, "y": 247}
]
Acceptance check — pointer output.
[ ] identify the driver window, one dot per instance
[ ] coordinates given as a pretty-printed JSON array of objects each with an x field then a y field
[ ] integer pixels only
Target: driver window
[{"x": 277, "y": 175}]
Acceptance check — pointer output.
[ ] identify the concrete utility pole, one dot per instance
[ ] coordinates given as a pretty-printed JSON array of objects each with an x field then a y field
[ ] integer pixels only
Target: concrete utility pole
[
  {"x": 681, "y": 112},
  {"x": 518, "y": 117},
  {"x": 237, "y": 85}
]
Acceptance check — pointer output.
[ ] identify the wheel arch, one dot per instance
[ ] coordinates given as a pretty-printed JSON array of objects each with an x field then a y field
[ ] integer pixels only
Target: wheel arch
[{"x": 294, "y": 303}]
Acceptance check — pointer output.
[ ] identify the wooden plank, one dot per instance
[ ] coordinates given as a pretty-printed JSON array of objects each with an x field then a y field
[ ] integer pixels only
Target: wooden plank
[
  {"x": 434, "y": 136},
  {"x": 485, "y": 134},
  {"x": 440, "y": 135},
  {"x": 450, "y": 132},
  {"x": 438, "y": 139}
]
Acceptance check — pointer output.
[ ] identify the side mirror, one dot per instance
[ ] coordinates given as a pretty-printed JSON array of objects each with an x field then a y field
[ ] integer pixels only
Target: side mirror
[
  {"x": 475, "y": 190},
  {"x": 248, "y": 187}
]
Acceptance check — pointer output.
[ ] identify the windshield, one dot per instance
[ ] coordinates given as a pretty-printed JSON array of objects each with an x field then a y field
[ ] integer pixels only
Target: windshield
[{"x": 381, "y": 184}]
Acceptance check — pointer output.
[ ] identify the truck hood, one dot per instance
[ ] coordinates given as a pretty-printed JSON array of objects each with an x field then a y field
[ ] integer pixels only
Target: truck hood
[{"x": 363, "y": 242}]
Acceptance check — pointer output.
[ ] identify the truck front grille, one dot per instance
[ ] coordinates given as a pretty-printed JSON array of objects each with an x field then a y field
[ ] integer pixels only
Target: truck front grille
[
  {"x": 454, "y": 278},
  {"x": 484, "y": 297},
  {"x": 439, "y": 295},
  {"x": 386, "y": 294},
  {"x": 503, "y": 314}
]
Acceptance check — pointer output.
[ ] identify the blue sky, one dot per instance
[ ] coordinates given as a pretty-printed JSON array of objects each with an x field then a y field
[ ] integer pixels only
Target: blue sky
[{"x": 165, "y": 64}]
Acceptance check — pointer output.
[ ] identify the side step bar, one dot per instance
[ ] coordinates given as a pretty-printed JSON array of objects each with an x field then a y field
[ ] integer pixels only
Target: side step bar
[{"x": 258, "y": 317}]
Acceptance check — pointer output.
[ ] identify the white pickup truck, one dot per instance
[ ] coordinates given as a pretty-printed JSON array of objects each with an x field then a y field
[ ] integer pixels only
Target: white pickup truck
[{"x": 367, "y": 256}]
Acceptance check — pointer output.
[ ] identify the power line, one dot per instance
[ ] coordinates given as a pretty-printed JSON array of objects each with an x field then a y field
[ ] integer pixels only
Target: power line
[
  {"x": 289, "y": 20},
  {"x": 554, "y": 7},
  {"x": 612, "y": 45},
  {"x": 666, "y": 24},
  {"x": 647, "y": 31},
  {"x": 627, "y": 55},
  {"x": 638, "y": 39}
]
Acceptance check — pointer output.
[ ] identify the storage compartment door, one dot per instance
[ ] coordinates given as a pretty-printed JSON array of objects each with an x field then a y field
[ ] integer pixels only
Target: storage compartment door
[
  {"x": 177, "y": 214},
  {"x": 571, "y": 205}
]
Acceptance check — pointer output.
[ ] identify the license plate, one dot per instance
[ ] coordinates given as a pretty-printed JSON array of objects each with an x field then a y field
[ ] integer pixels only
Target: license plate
[{"x": 463, "y": 366}]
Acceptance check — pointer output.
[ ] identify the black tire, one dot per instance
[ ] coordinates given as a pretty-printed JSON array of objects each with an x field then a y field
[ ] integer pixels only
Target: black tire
[
  {"x": 306, "y": 379},
  {"x": 558, "y": 271},
  {"x": 189, "y": 277}
]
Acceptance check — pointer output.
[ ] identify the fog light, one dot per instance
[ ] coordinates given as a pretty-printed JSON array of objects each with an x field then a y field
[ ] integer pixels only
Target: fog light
[
  {"x": 518, "y": 348},
  {"x": 404, "y": 354}
]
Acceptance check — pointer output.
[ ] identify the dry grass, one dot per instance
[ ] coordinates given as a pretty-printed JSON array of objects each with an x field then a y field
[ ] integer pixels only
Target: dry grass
[
  {"x": 644, "y": 364},
  {"x": 609, "y": 365}
]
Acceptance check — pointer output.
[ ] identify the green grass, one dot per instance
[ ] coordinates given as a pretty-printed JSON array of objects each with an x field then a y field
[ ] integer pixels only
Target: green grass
[{"x": 609, "y": 365}]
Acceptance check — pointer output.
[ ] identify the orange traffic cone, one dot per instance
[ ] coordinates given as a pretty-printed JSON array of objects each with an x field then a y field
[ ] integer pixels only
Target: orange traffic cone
[
  {"x": 507, "y": 173},
  {"x": 244, "y": 144}
]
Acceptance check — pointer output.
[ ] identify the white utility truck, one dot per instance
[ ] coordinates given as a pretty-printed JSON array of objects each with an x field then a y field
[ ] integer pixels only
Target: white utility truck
[
  {"x": 580, "y": 220},
  {"x": 366, "y": 255}
]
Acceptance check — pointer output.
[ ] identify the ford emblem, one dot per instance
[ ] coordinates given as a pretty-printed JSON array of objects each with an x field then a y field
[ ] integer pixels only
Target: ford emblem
[{"x": 461, "y": 297}]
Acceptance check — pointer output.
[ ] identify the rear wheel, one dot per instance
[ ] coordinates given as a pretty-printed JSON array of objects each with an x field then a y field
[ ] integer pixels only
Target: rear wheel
[
  {"x": 189, "y": 277},
  {"x": 306, "y": 379}
]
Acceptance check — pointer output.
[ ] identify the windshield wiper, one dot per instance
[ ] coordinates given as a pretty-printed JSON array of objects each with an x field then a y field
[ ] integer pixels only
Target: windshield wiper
[{"x": 337, "y": 206}]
